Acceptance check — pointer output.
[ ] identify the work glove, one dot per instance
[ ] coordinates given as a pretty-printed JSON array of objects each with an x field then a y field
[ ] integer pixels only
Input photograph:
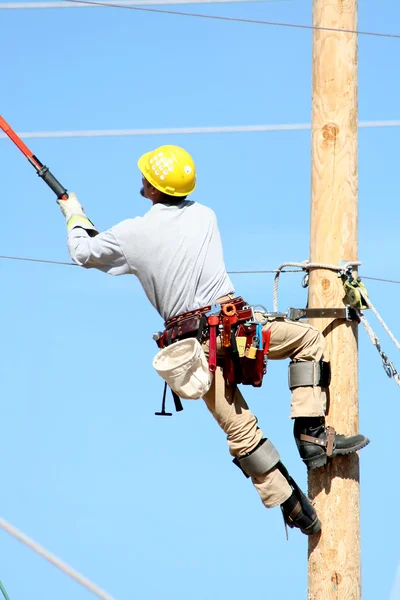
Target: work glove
[{"x": 75, "y": 215}]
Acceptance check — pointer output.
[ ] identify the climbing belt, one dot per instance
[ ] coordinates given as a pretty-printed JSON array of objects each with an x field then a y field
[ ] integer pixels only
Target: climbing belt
[{"x": 356, "y": 297}]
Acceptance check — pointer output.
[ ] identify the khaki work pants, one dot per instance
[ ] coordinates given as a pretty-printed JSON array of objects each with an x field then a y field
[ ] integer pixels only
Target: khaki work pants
[{"x": 292, "y": 340}]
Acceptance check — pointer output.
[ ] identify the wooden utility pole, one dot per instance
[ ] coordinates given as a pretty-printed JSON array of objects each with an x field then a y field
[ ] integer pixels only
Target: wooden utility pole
[{"x": 334, "y": 556}]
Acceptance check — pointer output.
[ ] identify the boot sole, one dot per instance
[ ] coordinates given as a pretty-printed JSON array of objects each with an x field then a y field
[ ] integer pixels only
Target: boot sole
[
  {"x": 354, "y": 448},
  {"x": 314, "y": 528},
  {"x": 316, "y": 462}
]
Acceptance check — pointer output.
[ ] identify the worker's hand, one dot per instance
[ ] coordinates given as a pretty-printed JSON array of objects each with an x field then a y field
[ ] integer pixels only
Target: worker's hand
[
  {"x": 71, "y": 207},
  {"x": 74, "y": 214}
]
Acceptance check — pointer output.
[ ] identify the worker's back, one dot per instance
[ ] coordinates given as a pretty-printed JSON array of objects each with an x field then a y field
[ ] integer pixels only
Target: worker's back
[{"x": 176, "y": 252}]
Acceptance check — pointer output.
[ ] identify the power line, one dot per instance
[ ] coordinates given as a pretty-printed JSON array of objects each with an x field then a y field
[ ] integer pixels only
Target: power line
[
  {"x": 161, "y": 131},
  {"x": 262, "y": 272},
  {"x": 236, "y": 19},
  {"x": 378, "y": 279},
  {"x": 244, "y": 272},
  {"x": 66, "y": 4},
  {"x": 3, "y": 591},
  {"x": 39, "y": 260},
  {"x": 188, "y": 130},
  {"x": 14, "y": 532}
]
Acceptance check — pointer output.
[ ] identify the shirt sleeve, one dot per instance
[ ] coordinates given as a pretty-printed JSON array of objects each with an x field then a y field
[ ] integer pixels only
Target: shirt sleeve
[{"x": 101, "y": 252}]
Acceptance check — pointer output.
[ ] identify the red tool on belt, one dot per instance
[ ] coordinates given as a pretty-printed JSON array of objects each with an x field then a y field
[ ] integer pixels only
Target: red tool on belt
[
  {"x": 230, "y": 318},
  {"x": 41, "y": 169},
  {"x": 213, "y": 323}
]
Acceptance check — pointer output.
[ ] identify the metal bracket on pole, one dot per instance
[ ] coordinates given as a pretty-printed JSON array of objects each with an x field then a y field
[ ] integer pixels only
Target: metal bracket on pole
[{"x": 347, "y": 313}]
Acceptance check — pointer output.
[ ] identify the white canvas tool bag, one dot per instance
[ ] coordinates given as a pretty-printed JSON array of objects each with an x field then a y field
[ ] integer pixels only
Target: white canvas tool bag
[{"x": 183, "y": 365}]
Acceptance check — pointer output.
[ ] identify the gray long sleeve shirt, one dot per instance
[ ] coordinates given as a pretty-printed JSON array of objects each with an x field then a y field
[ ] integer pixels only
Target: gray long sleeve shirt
[{"x": 174, "y": 250}]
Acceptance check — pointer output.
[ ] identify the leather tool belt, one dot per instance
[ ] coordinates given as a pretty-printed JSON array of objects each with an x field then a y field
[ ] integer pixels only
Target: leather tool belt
[
  {"x": 188, "y": 323},
  {"x": 243, "y": 344}
]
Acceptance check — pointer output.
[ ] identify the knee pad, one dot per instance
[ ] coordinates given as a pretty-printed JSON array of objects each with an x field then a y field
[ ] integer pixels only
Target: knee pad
[
  {"x": 309, "y": 373},
  {"x": 259, "y": 461}
]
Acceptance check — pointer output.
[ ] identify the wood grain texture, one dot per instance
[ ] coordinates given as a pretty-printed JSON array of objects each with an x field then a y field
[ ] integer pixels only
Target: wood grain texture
[{"x": 334, "y": 556}]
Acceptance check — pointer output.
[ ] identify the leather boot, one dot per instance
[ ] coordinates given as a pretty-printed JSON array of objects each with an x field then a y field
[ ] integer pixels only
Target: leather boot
[
  {"x": 297, "y": 510},
  {"x": 316, "y": 443}
]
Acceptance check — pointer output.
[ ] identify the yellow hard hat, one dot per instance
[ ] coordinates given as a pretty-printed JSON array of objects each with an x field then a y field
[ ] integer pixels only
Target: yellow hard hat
[{"x": 170, "y": 169}]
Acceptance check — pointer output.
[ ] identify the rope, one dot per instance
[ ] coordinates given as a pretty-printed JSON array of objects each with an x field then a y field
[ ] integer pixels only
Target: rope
[
  {"x": 381, "y": 321},
  {"x": 305, "y": 265},
  {"x": 387, "y": 364},
  {"x": 14, "y": 532},
  {"x": 3, "y": 591}
]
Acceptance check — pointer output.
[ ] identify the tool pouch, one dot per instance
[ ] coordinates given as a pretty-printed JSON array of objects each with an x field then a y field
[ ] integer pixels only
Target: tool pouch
[
  {"x": 228, "y": 369},
  {"x": 183, "y": 365},
  {"x": 253, "y": 369},
  {"x": 252, "y": 365}
]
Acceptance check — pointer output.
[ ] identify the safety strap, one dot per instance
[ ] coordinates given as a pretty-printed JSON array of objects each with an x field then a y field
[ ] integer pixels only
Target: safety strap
[
  {"x": 309, "y": 373},
  {"x": 328, "y": 442},
  {"x": 169, "y": 335},
  {"x": 259, "y": 461},
  {"x": 202, "y": 326}
]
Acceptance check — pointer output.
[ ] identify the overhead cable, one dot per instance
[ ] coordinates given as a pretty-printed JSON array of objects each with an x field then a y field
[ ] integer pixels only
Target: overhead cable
[
  {"x": 133, "y": 5},
  {"x": 235, "y": 19},
  {"x": 243, "y": 272},
  {"x": 4, "y": 592},
  {"x": 188, "y": 130},
  {"x": 86, "y": 583},
  {"x": 66, "y": 4},
  {"x": 39, "y": 260}
]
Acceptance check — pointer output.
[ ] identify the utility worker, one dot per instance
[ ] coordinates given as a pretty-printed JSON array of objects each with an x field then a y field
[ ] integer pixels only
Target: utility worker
[{"x": 175, "y": 251}]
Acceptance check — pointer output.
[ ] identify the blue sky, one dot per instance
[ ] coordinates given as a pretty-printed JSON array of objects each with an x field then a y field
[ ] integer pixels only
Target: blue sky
[{"x": 147, "y": 507}]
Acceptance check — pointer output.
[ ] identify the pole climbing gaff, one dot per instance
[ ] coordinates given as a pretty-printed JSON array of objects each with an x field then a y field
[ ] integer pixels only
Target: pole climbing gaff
[{"x": 41, "y": 169}]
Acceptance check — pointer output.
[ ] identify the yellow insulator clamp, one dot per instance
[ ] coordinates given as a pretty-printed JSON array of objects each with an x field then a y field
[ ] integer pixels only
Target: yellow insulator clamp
[{"x": 355, "y": 293}]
